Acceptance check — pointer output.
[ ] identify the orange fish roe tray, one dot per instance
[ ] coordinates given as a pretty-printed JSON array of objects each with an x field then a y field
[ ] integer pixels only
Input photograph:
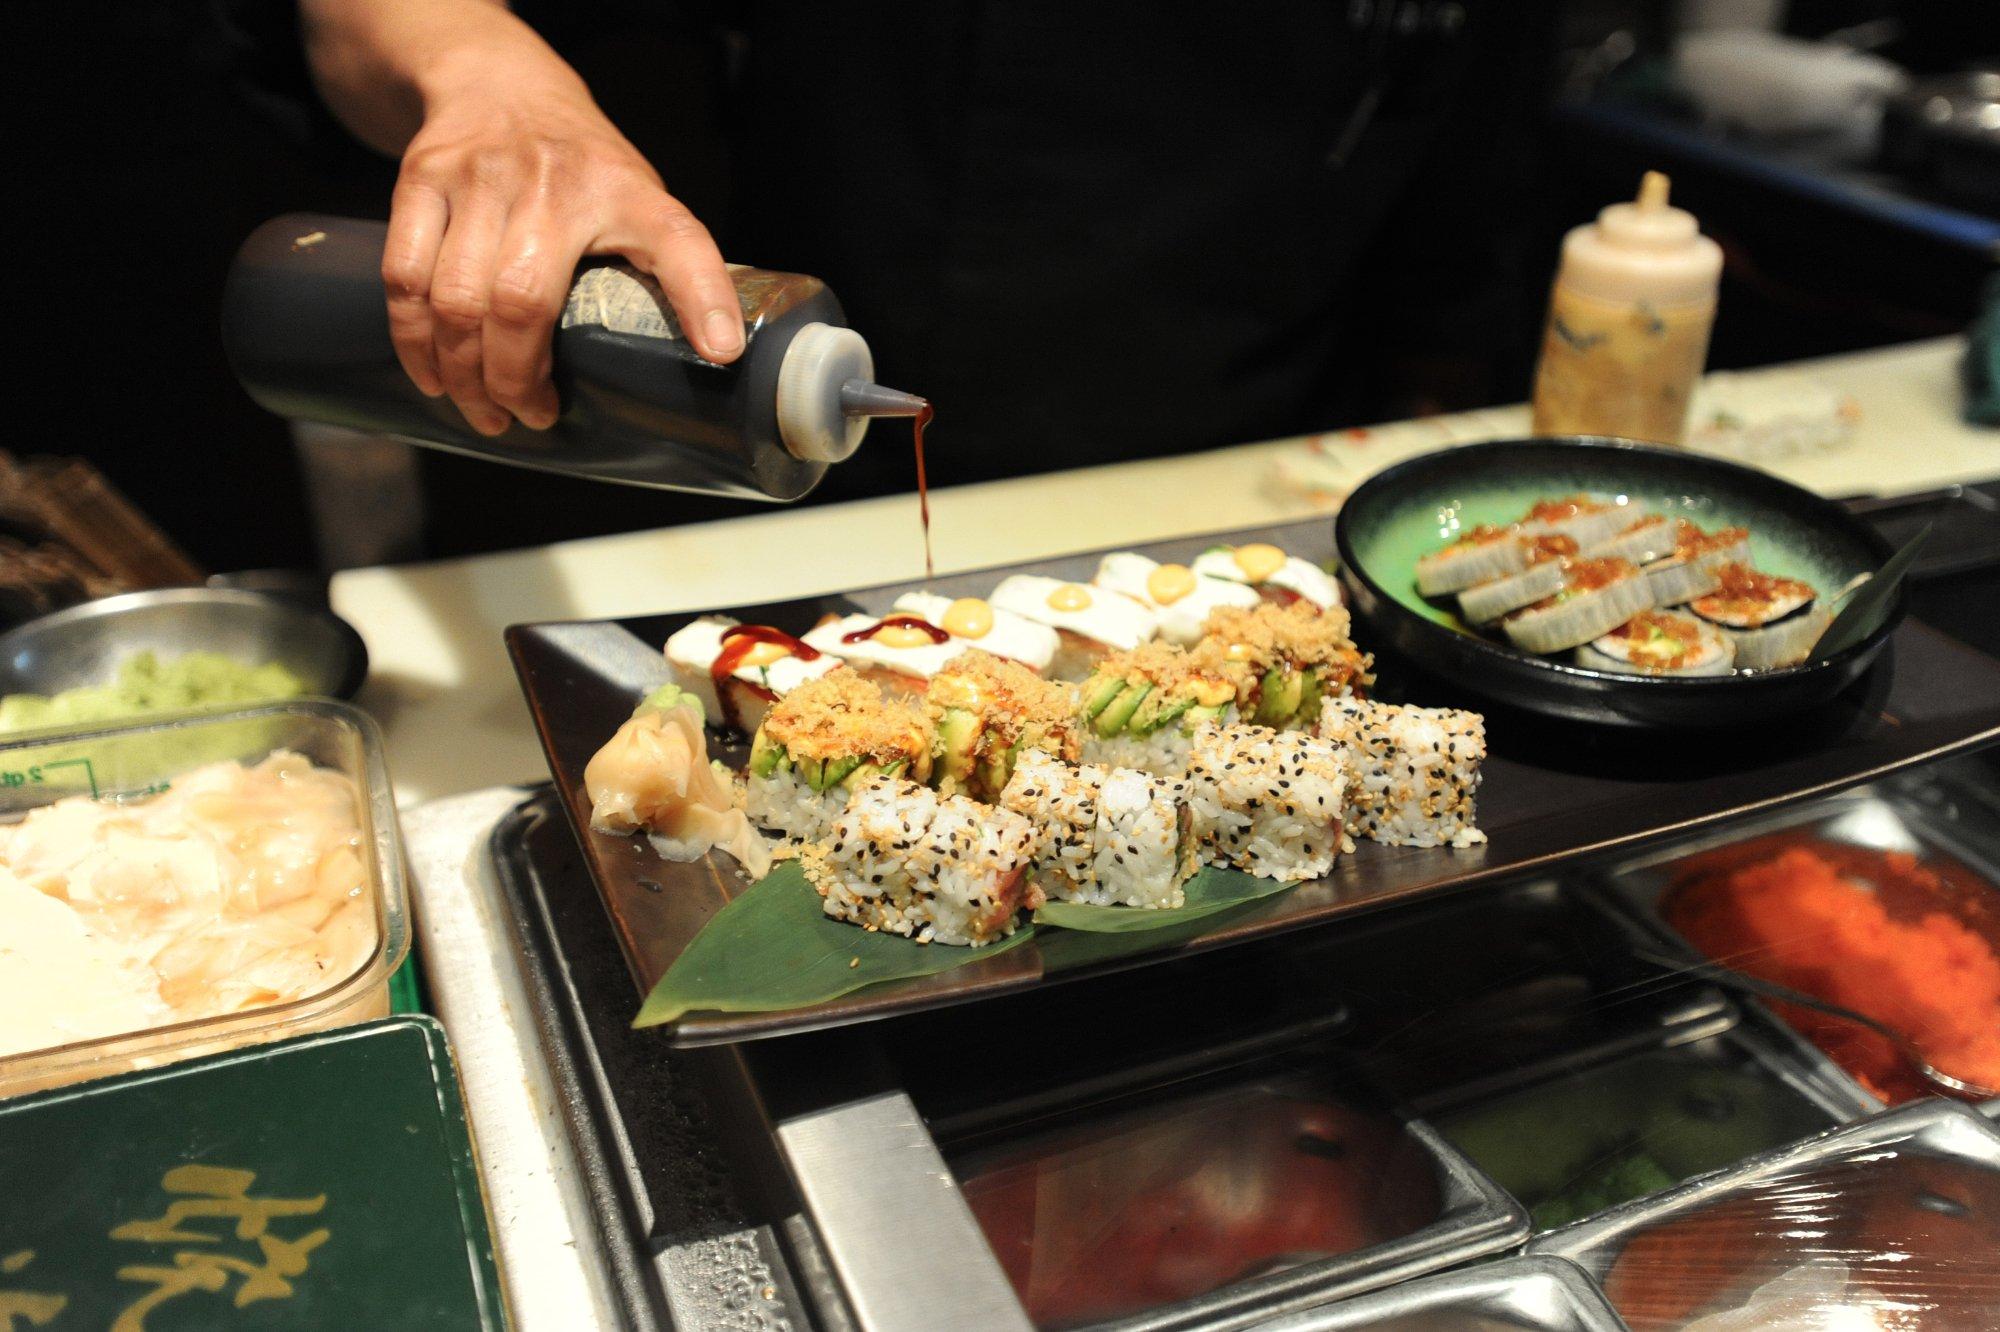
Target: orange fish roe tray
[{"x": 1913, "y": 942}]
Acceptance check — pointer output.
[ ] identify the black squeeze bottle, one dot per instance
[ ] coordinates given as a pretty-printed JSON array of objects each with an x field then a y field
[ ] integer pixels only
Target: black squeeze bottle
[{"x": 306, "y": 328}]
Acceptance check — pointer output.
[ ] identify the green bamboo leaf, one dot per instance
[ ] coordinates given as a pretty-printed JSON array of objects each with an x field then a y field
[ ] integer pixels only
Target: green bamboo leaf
[
  {"x": 772, "y": 948},
  {"x": 1870, "y": 602},
  {"x": 1210, "y": 891}
]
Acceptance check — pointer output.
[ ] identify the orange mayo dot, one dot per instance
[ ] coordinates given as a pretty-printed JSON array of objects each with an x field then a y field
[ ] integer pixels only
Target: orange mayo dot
[
  {"x": 968, "y": 617},
  {"x": 1169, "y": 583},
  {"x": 1259, "y": 560},
  {"x": 1070, "y": 597},
  {"x": 902, "y": 636},
  {"x": 763, "y": 655},
  {"x": 1238, "y": 652}
]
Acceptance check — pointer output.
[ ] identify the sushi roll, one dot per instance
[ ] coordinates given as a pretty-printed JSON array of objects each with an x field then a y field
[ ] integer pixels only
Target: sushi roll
[
  {"x": 973, "y": 623},
  {"x": 1584, "y": 519},
  {"x": 1596, "y": 597},
  {"x": 737, "y": 671},
  {"x": 1275, "y": 575},
  {"x": 900, "y": 652},
  {"x": 1291, "y": 657},
  {"x": 1650, "y": 538},
  {"x": 1771, "y": 621},
  {"x": 1141, "y": 708},
  {"x": 1180, "y": 597},
  {"x": 1412, "y": 773},
  {"x": 1478, "y": 556},
  {"x": 985, "y": 713},
  {"x": 1543, "y": 559},
  {"x": 1090, "y": 622},
  {"x": 1267, "y": 802},
  {"x": 1107, "y": 836},
  {"x": 821, "y": 741},
  {"x": 902, "y": 859},
  {"x": 1690, "y": 569},
  {"x": 1660, "y": 642}
]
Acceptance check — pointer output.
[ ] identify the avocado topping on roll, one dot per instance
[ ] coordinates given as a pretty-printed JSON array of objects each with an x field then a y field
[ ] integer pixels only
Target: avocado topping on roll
[
  {"x": 1154, "y": 685},
  {"x": 839, "y": 730},
  {"x": 1289, "y": 659},
  {"x": 986, "y": 712}
]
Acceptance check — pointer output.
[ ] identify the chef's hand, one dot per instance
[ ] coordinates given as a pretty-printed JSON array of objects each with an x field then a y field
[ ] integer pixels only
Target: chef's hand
[{"x": 510, "y": 175}]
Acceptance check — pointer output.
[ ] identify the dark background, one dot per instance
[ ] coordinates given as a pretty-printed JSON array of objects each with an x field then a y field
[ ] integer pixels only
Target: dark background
[{"x": 148, "y": 138}]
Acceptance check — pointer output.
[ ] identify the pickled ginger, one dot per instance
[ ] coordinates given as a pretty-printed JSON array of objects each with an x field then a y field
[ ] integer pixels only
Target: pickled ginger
[{"x": 654, "y": 776}]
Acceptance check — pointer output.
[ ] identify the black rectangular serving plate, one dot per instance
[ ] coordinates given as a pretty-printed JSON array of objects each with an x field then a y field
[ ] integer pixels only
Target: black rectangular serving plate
[{"x": 1554, "y": 793}]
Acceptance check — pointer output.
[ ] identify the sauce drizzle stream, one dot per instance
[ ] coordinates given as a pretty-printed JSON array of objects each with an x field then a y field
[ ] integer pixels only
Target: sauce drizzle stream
[{"x": 922, "y": 419}]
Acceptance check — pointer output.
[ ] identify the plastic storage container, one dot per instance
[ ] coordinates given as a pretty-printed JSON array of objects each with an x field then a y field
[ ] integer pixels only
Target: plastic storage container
[{"x": 132, "y": 760}]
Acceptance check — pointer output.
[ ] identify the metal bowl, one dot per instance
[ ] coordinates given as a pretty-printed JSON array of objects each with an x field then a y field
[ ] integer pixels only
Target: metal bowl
[{"x": 85, "y": 644}]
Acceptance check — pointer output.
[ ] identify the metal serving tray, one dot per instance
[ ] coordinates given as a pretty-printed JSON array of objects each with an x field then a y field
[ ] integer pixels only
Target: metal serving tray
[
  {"x": 1921, "y": 814},
  {"x": 1553, "y": 792},
  {"x": 1517, "y": 1295},
  {"x": 1930, "y": 1128}
]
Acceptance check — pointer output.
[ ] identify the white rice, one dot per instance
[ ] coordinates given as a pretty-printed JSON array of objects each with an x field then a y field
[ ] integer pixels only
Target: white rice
[
  {"x": 1163, "y": 753},
  {"x": 1412, "y": 773},
  {"x": 1107, "y": 836},
  {"x": 785, "y": 804},
  {"x": 901, "y": 859},
  {"x": 1266, "y": 802}
]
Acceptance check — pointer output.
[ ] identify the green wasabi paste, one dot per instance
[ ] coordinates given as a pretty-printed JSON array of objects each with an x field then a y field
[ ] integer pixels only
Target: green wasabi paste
[{"x": 145, "y": 684}]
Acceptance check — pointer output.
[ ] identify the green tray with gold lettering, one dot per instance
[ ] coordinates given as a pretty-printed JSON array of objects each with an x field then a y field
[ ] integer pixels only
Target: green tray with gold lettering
[{"x": 321, "y": 1182}]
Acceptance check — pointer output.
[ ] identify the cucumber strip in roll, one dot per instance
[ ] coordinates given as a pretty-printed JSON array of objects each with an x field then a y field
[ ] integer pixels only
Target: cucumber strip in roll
[
  {"x": 1598, "y": 596},
  {"x": 1660, "y": 642},
  {"x": 1479, "y": 556}
]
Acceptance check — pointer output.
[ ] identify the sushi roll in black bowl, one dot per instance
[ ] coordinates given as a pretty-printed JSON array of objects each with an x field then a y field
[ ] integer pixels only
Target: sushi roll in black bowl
[{"x": 1450, "y": 558}]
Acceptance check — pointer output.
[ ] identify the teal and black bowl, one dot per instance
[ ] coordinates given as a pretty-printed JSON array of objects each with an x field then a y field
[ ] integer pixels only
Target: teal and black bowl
[{"x": 1417, "y": 506}]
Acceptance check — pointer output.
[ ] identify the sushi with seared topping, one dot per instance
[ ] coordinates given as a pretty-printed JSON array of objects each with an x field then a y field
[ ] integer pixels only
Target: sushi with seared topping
[
  {"x": 901, "y": 859},
  {"x": 1541, "y": 575},
  {"x": 1660, "y": 642},
  {"x": 736, "y": 671},
  {"x": 985, "y": 713},
  {"x": 1690, "y": 569},
  {"x": 1290, "y": 657},
  {"x": 1267, "y": 802},
  {"x": 1091, "y": 623},
  {"x": 973, "y": 623},
  {"x": 1274, "y": 574},
  {"x": 1180, "y": 597},
  {"x": 1107, "y": 836},
  {"x": 1140, "y": 709},
  {"x": 1772, "y": 621},
  {"x": 821, "y": 741},
  {"x": 1478, "y": 556},
  {"x": 1596, "y": 597}
]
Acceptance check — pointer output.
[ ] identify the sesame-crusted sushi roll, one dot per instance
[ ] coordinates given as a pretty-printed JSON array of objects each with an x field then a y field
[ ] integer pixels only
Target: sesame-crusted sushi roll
[
  {"x": 902, "y": 859},
  {"x": 1275, "y": 575},
  {"x": 1660, "y": 642},
  {"x": 985, "y": 713},
  {"x": 1267, "y": 802},
  {"x": 1541, "y": 575},
  {"x": 1772, "y": 622},
  {"x": 819, "y": 742},
  {"x": 1584, "y": 519},
  {"x": 1092, "y": 623},
  {"x": 1479, "y": 555},
  {"x": 1141, "y": 708},
  {"x": 1412, "y": 773},
  {"x": 1107, "y": 836},
  {"x": 1180, "y": 597},
  {"x": 1596, "y": 597},
  {"x": 1692, "y": 568},
  {"x": 1291, "y": 657},
  {"x": 738, "y": 670}
]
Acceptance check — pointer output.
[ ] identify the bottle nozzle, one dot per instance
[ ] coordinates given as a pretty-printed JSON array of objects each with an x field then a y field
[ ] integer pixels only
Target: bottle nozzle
[
  {"x": 1653, "y": 191},
  {"x": 860, "y": 397}
]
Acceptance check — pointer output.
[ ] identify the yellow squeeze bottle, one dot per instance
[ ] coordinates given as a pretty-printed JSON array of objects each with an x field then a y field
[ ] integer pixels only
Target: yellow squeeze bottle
[{"x": 1629, "y": 319}]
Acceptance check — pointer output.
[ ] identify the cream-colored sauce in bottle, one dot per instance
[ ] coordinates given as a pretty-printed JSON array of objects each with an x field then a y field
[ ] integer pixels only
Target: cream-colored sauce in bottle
[{"x": 1629, "y": 318}]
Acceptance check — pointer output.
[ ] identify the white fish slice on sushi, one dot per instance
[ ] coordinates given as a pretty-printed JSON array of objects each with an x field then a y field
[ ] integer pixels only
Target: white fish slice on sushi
[
  {"x": 1660, "y": 642},
  {"x": 1275, "y": 574},
  {"x": 900, "y": 652},
  {"x": 1597, "y": 596},
  {"x": 1091, "y": 622},
  {"x": 1180, "y": 597},
  {"x": 767, "y": 672},
  {"x": 975, "y": 623}
]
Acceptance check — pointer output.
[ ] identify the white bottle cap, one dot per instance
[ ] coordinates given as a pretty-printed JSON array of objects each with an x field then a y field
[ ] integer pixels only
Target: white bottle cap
[
  {"x": 1646, "y": 250},
  {"x": 811, "y": 421}
]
